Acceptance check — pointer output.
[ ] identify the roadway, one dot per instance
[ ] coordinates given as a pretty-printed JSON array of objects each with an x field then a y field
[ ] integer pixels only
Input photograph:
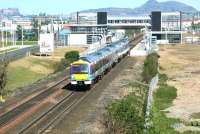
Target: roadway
[{"x": 16, "y": 54}]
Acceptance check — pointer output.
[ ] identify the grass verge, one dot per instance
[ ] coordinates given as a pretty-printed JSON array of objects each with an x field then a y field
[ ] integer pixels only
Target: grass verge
[
  {"x": 163, "y": 98},
  {"x": 20, "y": 77},
  {"x": 9, "y": 43}
]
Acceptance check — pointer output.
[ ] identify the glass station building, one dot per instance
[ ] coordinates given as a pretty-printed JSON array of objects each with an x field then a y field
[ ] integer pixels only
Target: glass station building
[{"x": 166, "y": 26}]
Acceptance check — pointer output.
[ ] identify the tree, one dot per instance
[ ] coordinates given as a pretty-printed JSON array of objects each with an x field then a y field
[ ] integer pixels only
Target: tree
[
  {"x": 65, "y": 62},
  {"x": 19, "y": 32},
  {"x": 3, "y": 77},
  {"x": 35, "y": 29},
  {"x": 72, "y": 56}
]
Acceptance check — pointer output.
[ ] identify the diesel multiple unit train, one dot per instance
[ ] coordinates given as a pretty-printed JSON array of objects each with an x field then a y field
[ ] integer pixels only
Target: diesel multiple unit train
[{"x": 92, "y": 66}]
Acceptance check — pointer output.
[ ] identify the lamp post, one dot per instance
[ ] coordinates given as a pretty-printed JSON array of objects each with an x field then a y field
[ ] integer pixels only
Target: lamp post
[
  {"x": 2, "y": 38},
  {"x": 6, "y": 37}
]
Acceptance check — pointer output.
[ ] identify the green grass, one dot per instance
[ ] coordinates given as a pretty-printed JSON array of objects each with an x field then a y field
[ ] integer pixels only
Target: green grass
[
  {"x": 150, "y": 67},
  {"x": 27, "y": 43},
  {"x": 19, "y": 77},
  {"x": 45, "y": 63},
  {"x": 19, "y": 43},
  {"x": 163, "y": 98}
]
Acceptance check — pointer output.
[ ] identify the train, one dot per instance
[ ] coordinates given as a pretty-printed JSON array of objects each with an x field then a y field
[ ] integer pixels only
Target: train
[{"x": 91, "y": 67}]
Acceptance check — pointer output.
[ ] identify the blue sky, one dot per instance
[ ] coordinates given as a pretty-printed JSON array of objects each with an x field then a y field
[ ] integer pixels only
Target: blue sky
[{"x": 67, "y": 6}]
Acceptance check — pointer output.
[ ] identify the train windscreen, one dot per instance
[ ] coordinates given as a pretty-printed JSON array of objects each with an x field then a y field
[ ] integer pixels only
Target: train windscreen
[{"x": 79, "y": 69}]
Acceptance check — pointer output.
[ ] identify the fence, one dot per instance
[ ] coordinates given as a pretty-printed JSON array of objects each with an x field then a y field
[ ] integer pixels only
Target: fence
[{"x": 152, "y": 86}]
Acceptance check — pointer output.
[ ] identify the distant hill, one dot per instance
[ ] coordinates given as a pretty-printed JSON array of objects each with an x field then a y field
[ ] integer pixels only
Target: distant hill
[
  {"x": 151, "y": 5},
  {"x": 113, "y": 11},
  {"x": 10, "y": 12}
]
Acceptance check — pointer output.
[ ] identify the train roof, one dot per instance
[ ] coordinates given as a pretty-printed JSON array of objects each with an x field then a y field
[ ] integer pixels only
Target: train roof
[
  {"x": 80, "y": 62},
  {"x": 98, "y": 55}
]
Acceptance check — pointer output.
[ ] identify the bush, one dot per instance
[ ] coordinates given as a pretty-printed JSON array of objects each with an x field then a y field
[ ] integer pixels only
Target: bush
[
  {"x": 62, "y": 65},
  {"x": 126, "y": 115},
  {"x": 3, "y": 77},
  {"x": 65, "y": 62},
  {"x": 162, "y": 79},
  {"x": 72, "y": 56},
  {"x": 150, "y": 67}
]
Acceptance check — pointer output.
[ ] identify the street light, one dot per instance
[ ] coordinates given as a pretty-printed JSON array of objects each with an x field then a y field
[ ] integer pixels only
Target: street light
[
  {"x": 2, "y": 38},
  {"x": 6, "y": 38}
]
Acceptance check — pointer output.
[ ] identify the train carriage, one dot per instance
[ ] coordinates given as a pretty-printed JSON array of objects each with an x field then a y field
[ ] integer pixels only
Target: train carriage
[{"x": 92, "y": 66}]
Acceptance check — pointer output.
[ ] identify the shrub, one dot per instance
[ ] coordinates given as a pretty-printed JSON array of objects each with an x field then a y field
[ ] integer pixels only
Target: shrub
[
  {"x": 150, "y": 67},
  {"x": 162, "y": 78},
  {"x": 72, "y": 56},
  {"x": 125, "y": 116},
  {"x": 65, "y": 62},
  {"x": 3, "y": 77},
  {"x": 165, "y": 93},
  {"x": 62, "y": 65}
]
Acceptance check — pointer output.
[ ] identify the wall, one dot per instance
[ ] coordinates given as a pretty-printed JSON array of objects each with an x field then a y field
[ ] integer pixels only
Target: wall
[{"x": 77, "y": 39}]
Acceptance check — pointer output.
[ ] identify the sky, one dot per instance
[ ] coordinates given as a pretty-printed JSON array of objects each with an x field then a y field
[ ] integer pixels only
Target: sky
[{"x": 68, "y": 6}]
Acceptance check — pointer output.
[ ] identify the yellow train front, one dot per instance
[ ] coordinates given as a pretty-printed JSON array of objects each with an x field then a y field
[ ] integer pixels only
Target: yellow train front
[{"x": 80, "y": 73}]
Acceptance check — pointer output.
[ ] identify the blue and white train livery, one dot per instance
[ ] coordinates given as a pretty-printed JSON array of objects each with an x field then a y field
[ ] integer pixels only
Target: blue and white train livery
[{"x": 90, "y": 67}]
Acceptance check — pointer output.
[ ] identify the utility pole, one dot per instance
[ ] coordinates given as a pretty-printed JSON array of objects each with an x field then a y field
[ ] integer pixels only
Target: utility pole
[
  {"x": 193, "y": 29},
  {"x": 2, "y": 38},
  {"x": 13, "y": 41},
  {"x": 39, "y": 31},
  {"x": 6, "y": 38}
]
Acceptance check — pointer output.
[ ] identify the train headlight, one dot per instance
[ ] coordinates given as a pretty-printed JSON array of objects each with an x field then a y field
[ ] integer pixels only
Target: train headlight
[{"x": 72, "y": 77}]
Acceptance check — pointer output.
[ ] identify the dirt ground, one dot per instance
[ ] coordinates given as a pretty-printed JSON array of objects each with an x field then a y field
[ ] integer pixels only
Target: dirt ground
[{"x": 182, "y": 65}]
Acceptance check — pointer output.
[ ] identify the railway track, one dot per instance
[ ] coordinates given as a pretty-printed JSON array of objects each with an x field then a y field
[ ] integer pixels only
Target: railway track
[
  {"x": 47, "y": 119},
  {"x": 11, "y": 115},
  {"x": 61, "y": 109}
]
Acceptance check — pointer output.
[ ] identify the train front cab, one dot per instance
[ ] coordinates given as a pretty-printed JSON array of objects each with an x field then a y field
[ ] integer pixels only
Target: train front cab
[{"x": 80, "y": 73}]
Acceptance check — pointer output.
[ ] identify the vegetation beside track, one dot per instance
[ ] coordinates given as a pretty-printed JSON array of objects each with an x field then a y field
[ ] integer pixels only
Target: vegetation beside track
[
  {"x": 70, "y": 57},
  {"x": 29, "y": 70},
  {"x": 162, "y": 99},
  {"x": 3, "y": 78},
  {"x": 150, "y": 67},
  {"x": 128, "y": 115}
]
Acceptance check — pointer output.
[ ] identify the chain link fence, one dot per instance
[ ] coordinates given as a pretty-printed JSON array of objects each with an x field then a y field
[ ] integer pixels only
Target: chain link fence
[{"x": 152, "y": 87}]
